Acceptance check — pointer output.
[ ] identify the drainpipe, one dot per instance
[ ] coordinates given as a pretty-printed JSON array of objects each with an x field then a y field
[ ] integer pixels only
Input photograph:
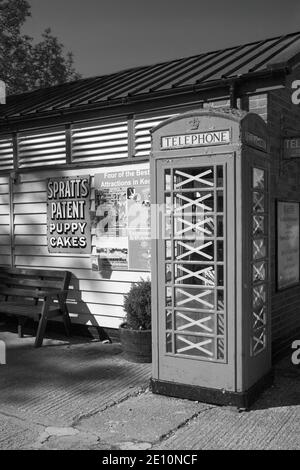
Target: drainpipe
[{"x": 232, "y": 95}]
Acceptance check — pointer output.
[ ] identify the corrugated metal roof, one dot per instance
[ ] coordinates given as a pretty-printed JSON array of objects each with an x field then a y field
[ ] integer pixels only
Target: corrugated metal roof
[{"x": 175, "y": 76}]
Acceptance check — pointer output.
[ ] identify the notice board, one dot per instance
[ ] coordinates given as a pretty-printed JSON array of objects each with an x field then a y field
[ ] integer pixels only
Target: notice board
[
  {"x": 121, "y": 222},
  {"x": 68, "y": 215},
  {"x": 287, "y": 244}
]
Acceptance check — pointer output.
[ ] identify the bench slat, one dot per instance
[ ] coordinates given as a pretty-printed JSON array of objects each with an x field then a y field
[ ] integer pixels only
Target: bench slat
[
  {"x": 34, "y": 272},
  {"x": 19, "y": 281},
  {"x": 36, "y": 294},
  {"x": 23, "y": 310},
  {"x": 31, "y": 311}
]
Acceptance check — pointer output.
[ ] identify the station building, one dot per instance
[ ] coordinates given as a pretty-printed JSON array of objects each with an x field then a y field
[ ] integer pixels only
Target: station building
[{"x": 75, "y": 177}]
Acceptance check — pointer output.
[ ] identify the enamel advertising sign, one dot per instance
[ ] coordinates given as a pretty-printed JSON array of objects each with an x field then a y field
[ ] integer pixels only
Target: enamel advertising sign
[{"x": 68, "y": 215}]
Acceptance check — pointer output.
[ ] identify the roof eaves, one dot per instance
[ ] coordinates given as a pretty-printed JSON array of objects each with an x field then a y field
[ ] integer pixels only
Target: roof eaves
[{"x": 277, "y": 73}]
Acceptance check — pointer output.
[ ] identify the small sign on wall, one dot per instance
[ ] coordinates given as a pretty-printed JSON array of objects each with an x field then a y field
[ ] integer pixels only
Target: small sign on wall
[
  {"x": 291, "y": 147},
  {"x": 287, "y": 244},
  {"x": 68, "y": 215}
]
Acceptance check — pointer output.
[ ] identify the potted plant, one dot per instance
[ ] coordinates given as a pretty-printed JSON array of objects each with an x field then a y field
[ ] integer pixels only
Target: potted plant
[{"x": 135, "y": 332}]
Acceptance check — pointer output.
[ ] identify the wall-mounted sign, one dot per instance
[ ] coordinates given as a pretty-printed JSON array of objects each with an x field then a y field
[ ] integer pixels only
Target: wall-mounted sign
[
  {"x": 291, "y": 147},
  {"x": 287, "y": 244},
  {"x": 255, "y": 141},
  {"x": 68, "y": 215},
  {"x": 196, "y": 139},
  {"x": 121, "y": 221}
]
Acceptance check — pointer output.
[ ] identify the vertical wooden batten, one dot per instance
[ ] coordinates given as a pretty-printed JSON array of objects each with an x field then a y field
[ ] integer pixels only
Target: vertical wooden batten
[
  {"x": 131, "y": 149},
  {"x": 68, "y": 144},
  {"x": 11, "y": 217}
]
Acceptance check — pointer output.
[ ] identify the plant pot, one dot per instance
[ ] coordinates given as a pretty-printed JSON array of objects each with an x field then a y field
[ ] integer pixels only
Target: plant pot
[{"x": 136, "y": 344}]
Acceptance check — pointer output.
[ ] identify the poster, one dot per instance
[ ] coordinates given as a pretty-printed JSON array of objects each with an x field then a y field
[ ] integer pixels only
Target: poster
[
  {"x": 68, "y": 215},
  {"x": 287, "y": 244},
  {"x": 121, "y": 222}
]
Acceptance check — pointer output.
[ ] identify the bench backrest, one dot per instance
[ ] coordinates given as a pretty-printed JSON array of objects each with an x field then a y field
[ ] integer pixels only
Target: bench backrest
[{"x": 23, "y": 282}]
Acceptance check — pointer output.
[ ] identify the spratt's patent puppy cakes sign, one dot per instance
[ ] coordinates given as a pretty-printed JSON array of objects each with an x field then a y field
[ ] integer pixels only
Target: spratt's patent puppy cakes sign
[{"x": 68, "y": 215}]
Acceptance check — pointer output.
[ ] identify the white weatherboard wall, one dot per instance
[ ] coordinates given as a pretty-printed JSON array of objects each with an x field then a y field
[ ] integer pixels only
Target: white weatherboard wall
[
  {"x": 142, "y": 136},
  {"x": 92, "y": 299},
  {"x": 5, "y": 237}
]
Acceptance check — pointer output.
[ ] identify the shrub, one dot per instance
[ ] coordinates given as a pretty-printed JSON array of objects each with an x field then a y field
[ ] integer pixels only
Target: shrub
[{"x": 137, "y": 305}]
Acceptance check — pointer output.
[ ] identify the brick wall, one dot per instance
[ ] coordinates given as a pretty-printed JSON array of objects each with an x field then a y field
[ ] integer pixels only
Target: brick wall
[
  {"x": 258, "y": 104},
  {"x": 283, "y": 118}
]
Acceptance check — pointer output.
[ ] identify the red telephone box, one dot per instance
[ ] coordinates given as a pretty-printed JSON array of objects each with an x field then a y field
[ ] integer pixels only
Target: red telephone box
[{"x": 210, "y": 257}]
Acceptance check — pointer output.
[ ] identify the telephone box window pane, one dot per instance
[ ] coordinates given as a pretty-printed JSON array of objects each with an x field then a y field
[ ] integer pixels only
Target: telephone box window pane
[
  {"x": 220, "y": 325},
  {"x": 258, "y": 225},
  {"x": 169, "y": 296},
  {"x": 259, "y": 248},
  {"x": 194, "y": 250},
  {"x": 168, "y": 274},
  {"x": 258, "y": 178},
  {"x": 259, "y": 316},
  {"x": 192, "y": 225},
  {"x": 220, "y": 348},
  {"x": 167, "y": 227},
  {"x": 258, "y": 202},
  {"x": 220, "y": 271},
  {"x": 194, "y": 322},
  {"x": 169, "y": 321},
  {"x": 188, "y": 297},
  {"x": 194, "y": 299},
  {"x": 220, "y": 299},
  {"x": 169, "y": 342},
  {"x": 199, "y": 346},
  {"x": 259, "y": 341},
  {"x": 220, "y": 181},
  {"x": 220, "y": 250},
  {"x": 192, "y": 203},
  {"x": 185, "y": 178},
  {"x": 168, "y": 249},
  {"x": 197, "y": 274},
  {"x": 168, "y": 180},
  {"x": 220, "y": 206},
  {"x": 220, "y": 226},
  {"x": 259, "y": 271},
  {"x": 168, "y": 203},
  {"x": 259, "y": 296}
]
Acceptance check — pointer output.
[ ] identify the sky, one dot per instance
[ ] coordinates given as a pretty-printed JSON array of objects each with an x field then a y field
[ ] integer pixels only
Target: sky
[{"x": 110, "y": 35}]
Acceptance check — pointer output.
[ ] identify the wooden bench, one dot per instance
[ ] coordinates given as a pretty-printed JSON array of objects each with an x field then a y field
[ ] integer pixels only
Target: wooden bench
[{"x": 35, "y": 293}]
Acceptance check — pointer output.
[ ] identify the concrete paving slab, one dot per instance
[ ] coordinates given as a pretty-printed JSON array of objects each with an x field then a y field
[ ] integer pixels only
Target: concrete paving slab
[
  {"x": 16, "y": 433},
  {"x": 221, "y": 429},
  {"x": 273, "y": 422},
  {"x": 66, "y": 439},
  {"x": 85, "y": 395},
  {"x": 143, "y": 419}
]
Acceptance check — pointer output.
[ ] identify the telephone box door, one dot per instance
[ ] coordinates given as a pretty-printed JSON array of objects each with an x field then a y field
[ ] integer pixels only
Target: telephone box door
[{"x": 196, "y": 270}]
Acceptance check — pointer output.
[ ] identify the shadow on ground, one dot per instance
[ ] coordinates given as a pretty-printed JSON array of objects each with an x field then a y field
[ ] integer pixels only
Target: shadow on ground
[
  {"x": 285, "y": 390},
  {"x": 65, "y": 379}
]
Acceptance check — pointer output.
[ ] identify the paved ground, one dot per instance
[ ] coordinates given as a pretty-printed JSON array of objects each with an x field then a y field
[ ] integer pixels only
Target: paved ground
[{"x": 85, "y": 395}]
